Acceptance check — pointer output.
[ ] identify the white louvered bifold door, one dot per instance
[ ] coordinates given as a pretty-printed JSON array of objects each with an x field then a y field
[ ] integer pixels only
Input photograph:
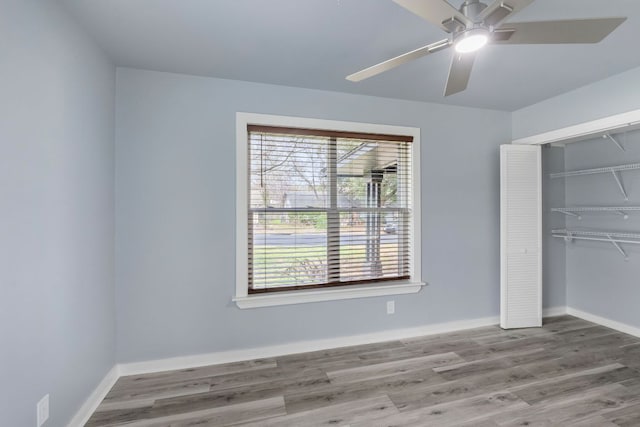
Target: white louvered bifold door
[{"x": 520, "y": 236}]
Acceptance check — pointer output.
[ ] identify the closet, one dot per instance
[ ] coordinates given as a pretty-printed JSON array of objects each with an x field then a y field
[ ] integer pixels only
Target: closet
[{"x": 596, "y": 217}]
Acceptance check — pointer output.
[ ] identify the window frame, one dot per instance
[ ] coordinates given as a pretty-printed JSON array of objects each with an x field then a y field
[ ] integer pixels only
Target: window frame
[{"x": 243, "y": 298}]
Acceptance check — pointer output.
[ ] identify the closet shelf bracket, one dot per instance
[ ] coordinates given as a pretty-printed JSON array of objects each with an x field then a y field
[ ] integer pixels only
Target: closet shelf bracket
[
  {"x": 617, "y": 245},
  {"x": 619, "y": 182},
  {"x": 615, "y": 141}
]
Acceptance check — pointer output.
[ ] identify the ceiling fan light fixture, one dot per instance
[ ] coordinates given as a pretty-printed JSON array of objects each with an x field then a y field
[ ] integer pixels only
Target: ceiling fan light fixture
[{"x": 471, "y": 40}]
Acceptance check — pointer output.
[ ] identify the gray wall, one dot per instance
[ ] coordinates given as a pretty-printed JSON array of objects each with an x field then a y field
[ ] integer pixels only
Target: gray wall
[
  {"x": 175, "y": 216},
  {"x": 599, "y": 281},
  {"x": 614, "y": 95},
  {"x": 57, "y": 323},
  {"x": 554, "y": 281}
]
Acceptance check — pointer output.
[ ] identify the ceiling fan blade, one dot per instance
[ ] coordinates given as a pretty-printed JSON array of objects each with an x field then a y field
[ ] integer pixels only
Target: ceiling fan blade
[
  {"x": 438, "y": 12},
  {"x": 499, "y": 10},
  {"x": 459, "y": 73},
  {"x": 557, "y": 32},
  {"x": 399, "y": 60}
]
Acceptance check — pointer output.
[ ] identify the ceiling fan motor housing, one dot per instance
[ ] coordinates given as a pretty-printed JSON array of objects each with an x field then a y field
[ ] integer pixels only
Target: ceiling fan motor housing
[{"x": 472, "y": 8}]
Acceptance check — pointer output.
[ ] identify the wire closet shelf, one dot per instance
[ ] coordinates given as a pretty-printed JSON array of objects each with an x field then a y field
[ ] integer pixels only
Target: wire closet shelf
[
  {"x": 578, "y": 210},
  {"x": 616, "y": 239},
  {"x": 614, "y": 170}
]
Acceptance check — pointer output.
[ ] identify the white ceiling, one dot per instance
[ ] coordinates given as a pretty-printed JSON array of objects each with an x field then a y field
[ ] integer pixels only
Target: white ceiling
[{"x": 316, "y": 43}]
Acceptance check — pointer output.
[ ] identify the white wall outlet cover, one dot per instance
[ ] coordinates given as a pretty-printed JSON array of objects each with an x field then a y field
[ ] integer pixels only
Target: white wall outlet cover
[
  {"x": 42, "y": 410},
  {"x": 391, "y": 307}
]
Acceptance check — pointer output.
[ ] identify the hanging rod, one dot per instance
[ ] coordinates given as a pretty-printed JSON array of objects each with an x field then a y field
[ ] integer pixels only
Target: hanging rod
[
  {"x": 612, "y": 170},
  {"x": 575, "y": 211},
  {"x": 600, "y": 236}
]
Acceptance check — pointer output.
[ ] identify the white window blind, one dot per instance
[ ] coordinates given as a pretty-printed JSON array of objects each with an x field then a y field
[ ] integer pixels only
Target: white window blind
[{"x": 327, "y": 208}]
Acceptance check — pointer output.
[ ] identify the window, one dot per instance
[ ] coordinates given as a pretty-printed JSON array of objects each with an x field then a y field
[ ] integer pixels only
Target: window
[{"x": 326, "y": 205}]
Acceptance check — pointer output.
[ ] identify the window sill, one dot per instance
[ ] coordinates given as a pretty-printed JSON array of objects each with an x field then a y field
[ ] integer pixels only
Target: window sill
[{"x": 317, "y": 295}]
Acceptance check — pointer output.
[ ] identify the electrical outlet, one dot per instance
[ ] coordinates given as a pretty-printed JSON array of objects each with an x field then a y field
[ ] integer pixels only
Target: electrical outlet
[
  {"x": 42, "y": 410},
  {"x": 391, "y": 307}
]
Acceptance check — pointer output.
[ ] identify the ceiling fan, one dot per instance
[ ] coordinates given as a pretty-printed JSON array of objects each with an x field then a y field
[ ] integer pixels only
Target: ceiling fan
[{"x": 475, "y": 24}]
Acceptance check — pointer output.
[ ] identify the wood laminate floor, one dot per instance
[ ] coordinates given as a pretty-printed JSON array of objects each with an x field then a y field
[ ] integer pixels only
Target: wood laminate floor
[{"x": 568, "y": 373}]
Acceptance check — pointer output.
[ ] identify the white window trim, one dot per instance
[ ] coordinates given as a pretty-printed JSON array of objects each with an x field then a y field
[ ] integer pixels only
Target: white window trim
[{"x": 392, "y": 287}]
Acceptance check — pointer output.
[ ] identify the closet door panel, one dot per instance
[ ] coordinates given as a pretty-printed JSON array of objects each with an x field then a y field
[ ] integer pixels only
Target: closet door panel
[{"x": 521, "y": 236}]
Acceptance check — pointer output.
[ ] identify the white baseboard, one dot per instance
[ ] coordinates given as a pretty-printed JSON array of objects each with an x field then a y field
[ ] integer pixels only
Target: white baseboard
[
  {"x": 554, "y": 311},
  {"x": 91, "y": 404},
  {"x": 618, "y": 326},
  {"x": 185, "y": 362}
]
